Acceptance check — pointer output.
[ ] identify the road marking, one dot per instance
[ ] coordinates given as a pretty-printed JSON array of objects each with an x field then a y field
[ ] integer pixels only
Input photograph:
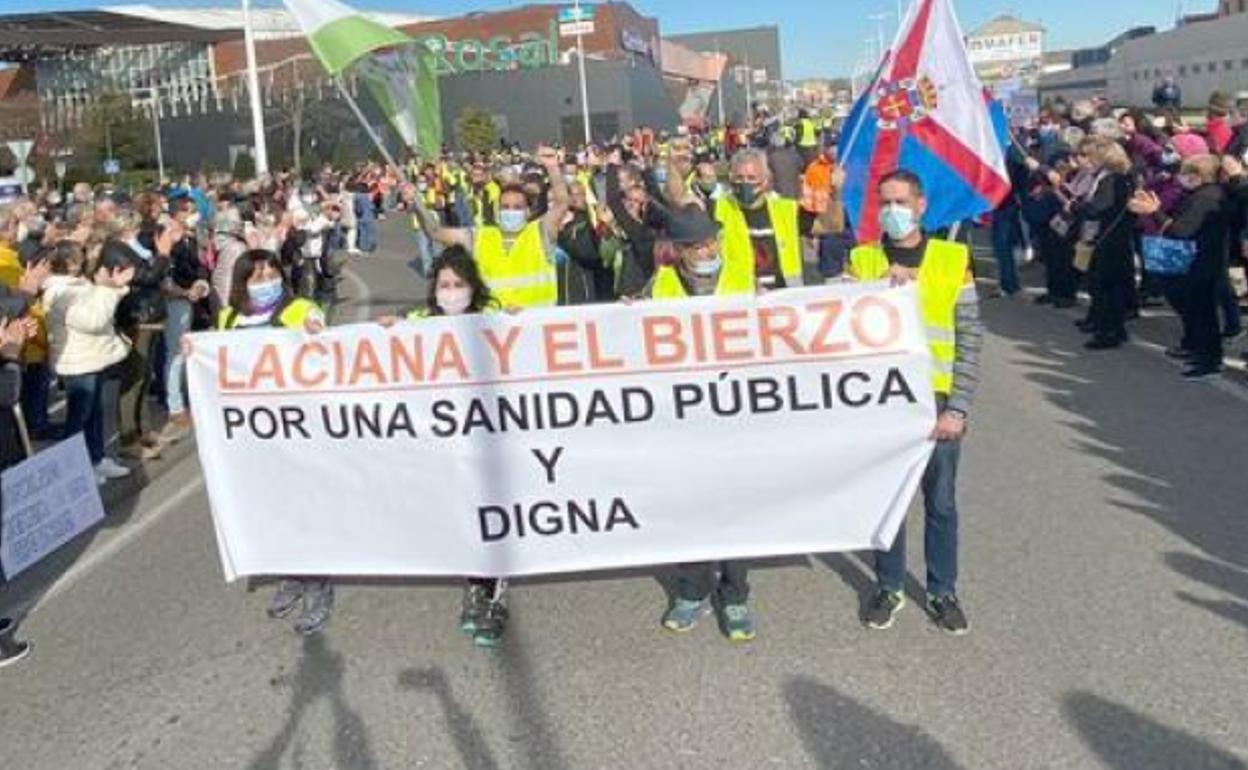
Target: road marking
[{"x": 128, "y": 535}]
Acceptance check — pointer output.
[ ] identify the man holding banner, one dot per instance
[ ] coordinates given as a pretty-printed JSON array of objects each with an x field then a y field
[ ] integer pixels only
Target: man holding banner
[{"x": 949, "y": 307}]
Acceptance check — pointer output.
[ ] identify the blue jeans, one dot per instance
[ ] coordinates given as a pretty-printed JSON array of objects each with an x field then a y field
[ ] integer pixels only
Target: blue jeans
[
  {"x": 940, "y": 529},
  {"x": 177, "y": 323},
  {"x": 83, "y": 413},
  {"x": 1006, "y": 234}
]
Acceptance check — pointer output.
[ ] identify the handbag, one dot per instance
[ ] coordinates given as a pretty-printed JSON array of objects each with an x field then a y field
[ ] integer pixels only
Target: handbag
[
  {"x": 1060, "y": 225},
  {"x": 1168, "y": 256},
  {"x": 1085, "y": 250}
]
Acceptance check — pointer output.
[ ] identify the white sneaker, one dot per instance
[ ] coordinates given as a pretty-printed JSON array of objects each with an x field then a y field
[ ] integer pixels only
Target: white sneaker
[
  {"x": 110, "y": 469},
  {"x": 100, "y": 479}
]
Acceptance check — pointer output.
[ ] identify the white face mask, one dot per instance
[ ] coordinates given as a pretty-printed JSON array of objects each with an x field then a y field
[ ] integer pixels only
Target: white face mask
[
  {"x": 454, "y": 301},
  {"x": 192, "y": 221}
]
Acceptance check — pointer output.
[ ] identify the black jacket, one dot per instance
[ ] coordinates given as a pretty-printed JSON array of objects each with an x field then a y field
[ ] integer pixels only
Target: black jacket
[{"x": 1202, "y": 217}]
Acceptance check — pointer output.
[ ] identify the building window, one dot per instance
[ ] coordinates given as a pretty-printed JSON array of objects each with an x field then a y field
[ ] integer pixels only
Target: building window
[
  {"x": 1182, "y": 70},
  {"x": 1228, "y": 65},
  {"x": 1195, "y": 69}
]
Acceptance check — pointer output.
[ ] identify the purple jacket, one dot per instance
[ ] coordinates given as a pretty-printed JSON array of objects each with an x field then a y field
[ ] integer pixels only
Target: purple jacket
[{"x": 1170, "y": 193}]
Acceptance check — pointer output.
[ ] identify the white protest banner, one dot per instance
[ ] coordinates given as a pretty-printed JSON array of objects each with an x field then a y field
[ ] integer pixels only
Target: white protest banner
[
  {"x": 49, "y": 499},
  {"x": 567, "y": 439}
]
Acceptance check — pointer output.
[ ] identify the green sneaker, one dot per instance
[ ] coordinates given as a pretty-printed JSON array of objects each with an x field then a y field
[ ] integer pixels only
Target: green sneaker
[
  {"x": 882, "y": 609},
  {"x": 491, "y": 625},
  {"x": 737, "y": 621},
  {"x": 684, "y": 614},
  {"x": 946, "y": 612},
  {"x": 476, "y": 600}
]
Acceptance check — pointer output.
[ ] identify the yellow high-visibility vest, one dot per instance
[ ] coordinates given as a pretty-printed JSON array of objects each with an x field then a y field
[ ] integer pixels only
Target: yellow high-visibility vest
[
  {"x": 667, "y": 283},
  {"x": 944, "y": 272},
  {"x": 493, "y": 192},
  {"x": 521, "y": 277},
  {"x": 292, "y": 316},
  {"x": 808, "y": 135},
  {"x": 739, "y": 249}
]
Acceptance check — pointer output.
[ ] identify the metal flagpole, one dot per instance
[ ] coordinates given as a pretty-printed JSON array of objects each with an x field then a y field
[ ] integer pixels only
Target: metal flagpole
[
  {"x": 253, "y": 85},
  {"x": 719, "y": 87},
  {"x": 580, "y": 58},
  {"x": 368, "y": 127},
  {"x": 160, "y": 147}
]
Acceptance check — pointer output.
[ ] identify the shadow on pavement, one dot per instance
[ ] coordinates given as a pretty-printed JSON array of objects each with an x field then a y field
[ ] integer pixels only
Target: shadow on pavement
[
  {"x": 460, "y": 724},
  {"x": 1169, "y": 441},
  {"x": 319, "y": 676},
  {"x": 524, "y": 702},
  {"x": 1216, "y": 575},
  {"x": 840, "y": 733},
  {"x": 1126, "y": 740}
]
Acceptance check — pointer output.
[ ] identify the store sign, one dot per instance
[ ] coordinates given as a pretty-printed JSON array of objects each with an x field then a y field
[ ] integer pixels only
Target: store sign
[
  {"x": 528, "y": 50},
  {"x": 632, "y": 41},
  {"x": 576, "y": 13},
  {"x": 999, "y": 48},
  {"x": 574, "y": 28}
]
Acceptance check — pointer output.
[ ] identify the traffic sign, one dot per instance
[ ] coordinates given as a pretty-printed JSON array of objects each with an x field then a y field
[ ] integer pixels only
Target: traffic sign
[{"x": 112, "y": 166}]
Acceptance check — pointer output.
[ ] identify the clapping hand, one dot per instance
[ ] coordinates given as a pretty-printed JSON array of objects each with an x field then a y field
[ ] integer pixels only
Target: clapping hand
[
  {"x": 1144, "y": 203},
  {"x": 34, "y": 277}
]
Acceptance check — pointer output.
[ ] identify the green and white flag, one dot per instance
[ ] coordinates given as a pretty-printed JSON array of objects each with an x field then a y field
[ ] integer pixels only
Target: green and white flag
[{"x": 397, "y": 70}]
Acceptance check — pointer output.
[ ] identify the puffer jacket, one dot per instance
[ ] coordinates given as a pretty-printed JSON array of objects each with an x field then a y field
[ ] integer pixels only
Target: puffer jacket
[{"x": 81, "y": 332}]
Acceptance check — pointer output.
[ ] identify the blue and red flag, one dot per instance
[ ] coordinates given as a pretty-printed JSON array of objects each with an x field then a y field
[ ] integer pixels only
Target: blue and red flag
[{"x": 925, "y": 112}]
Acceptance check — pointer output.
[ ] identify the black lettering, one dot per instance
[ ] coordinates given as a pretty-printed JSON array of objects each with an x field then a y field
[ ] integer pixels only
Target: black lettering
[
  {"x": 400, "y": 422},
  {"x": 569, "y": 415},
  {"x": 686, "y": 396},
  {"x": 620, "y": 515},
  {"x": 234, "y": 418},
  {"x": 513, "y": 413},
  {"x": 600, "y": 409},
  {"x": 493, "y": 514},
  {"x": 731, "y": 394},
  {"x": 477, "y": 418},
  {"x": 795, "y": 398},
  {"x": 765, "y": 396},
  {"x": 366, "y": 420},
  {"x": 842, "y": 389},
  {"x": 589, "y": 519},
  {"x": 631, "y": 412},
  {"x": 263, "y": 423},
  {"x": 548, "y": 463},
  {"x": 327, "y": 418},
  {"x": 444, "y": 424},
  {"x": 895, "y": 385},
  {"x": 292, "y": 422},
  {"x": 551, "y": 524}
]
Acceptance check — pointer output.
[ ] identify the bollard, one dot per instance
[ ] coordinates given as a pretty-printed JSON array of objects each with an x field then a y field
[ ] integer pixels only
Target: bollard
[{"x": 11, "y": 650}]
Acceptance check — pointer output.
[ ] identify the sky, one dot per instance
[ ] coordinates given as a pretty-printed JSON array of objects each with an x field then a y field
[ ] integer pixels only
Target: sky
[{"x": 819, "y": 38}]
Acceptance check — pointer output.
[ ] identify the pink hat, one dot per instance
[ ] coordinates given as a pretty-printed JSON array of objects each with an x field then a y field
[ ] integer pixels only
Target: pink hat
[{"x": 1190, "y": 145}]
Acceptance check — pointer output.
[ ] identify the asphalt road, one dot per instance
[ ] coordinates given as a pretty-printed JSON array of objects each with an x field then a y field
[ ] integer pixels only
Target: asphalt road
[{"x": 1105, "y": 569}]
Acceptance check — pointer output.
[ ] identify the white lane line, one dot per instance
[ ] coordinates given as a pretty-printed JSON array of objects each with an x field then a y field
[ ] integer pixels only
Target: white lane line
[{"x": 128, "y": 535}]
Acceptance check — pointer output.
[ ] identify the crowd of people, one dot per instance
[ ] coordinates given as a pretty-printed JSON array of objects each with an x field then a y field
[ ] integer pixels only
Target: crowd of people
[
  {"x": 98, "y": 289},
  {"x": 1139, "y": 208}
]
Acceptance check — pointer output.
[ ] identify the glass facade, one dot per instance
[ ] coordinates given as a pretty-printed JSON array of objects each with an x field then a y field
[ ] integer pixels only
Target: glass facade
[{"x": 181, "y": 67}]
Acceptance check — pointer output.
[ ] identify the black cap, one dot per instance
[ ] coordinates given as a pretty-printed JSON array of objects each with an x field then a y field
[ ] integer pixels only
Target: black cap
[{"x": 691, "y": 225}]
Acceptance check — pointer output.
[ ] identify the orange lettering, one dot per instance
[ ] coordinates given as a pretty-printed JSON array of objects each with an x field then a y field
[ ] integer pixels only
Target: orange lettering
[
  {"x": 223, "y": 371},
  {"x": 268, "y": 367},
  {"x": 448, "y": 356},
  {"x": 554, "y": 346},
  {"x": 503, "y": 348},
  {"x": 596, "y": 358},
  {"x": 822, "y": 344},
  {"x": 863, "y": 332},
  {"x": 663, "y": 332},
  {"x": 297, "y": 372},
  {"x": 722, "y": 334},
  {"x": 366, "y": 364},
  {"x": 412, "y": 362},
  {"x": 779, "y": 323}
]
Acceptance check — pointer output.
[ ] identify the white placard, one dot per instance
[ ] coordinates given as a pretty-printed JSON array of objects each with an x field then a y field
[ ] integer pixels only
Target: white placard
[
  {"x": 49, "y": 499},
  {"x": 567, "y": 439}
]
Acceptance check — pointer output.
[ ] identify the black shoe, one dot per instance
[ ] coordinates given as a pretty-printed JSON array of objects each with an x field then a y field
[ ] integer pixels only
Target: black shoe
[
  {"x": 1084, "y": 325},
  {"x": 1178, "y": 353},
  {"x": 476, "y": 602},
  {"x": 1104, "y": 343},
  {"x": 947, "y": 614},
  {"x": 1133, "y": 315},
  {"x": 1201, "y": 371},
  {"x": 1044, "y": 299},
  {"x": 882, "y": 609},
  {"x": 1062, "y": 303},
  {"x": 491, "y": 625},
  {"x": 11, "y": 650},
  {"x": 318, "y": 605},
  {"x": 1231, "y": 334}
]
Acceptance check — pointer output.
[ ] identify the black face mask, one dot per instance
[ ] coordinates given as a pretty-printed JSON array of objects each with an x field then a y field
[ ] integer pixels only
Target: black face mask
[{"x": 746, "y": 193}]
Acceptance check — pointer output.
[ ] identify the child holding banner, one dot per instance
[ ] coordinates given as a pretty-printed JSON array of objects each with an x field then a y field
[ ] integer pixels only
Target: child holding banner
[
  {"x": 260, "y": 296},
  {"x": 457, "y": 289}
]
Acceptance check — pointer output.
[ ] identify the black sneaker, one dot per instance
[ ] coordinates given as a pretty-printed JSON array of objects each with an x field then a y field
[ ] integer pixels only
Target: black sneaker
[
  {"x": 947, "y": 614},
  {"x": 882, "y": 609},
  {"x": 1178, "y": 353},
  {"x": 491, "y": 625},
  {"x": 1064, "y": 303},
  {"x": 1044, "y": 299},
  {"x": 1232, "y": 334},
  {"x": 1201, "y": 372},
  {"x": 476, "y": 601},
  {"x": 1104, "y": 343},
  {"x": 318, "y": 605}
]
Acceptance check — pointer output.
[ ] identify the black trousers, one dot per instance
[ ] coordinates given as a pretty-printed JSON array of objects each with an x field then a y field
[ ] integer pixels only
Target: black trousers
[
  {"x": 1058, "y": 255},
  {"x": 695, "y": 582},
  {"x": 1109, "y": 304},
  {"x": 1204, "y": 333}
]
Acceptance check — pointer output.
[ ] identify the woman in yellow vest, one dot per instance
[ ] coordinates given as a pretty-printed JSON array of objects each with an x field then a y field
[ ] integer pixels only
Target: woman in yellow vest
[
  {"x": 457, "y": 289},
  {"x": 950, "y": 310},
  {"x": 700, "y": 271},
  {"x": 516, "y": 256},
  {"x": 261, "y": 297}
]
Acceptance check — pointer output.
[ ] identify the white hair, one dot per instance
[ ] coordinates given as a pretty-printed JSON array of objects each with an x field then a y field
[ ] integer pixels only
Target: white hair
[{"x": 752, "y": 155}]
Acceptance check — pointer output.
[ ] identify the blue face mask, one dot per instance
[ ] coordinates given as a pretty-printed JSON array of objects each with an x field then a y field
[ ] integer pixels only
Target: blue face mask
[
  {"x": 660, "y": 175},
  {"x": 897, "y": 221},
  {"x": 512, "y": 220},
  {"x": 140, "y": 249},
  {"x": 265, "y": 296},
  {"x": 707, "y": 267}
]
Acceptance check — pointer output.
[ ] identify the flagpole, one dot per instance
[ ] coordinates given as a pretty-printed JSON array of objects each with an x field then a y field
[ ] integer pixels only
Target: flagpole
[
  {"x": 580, "y": 59},
  {"x": 368, "y": 127},
  {"x": 253, "y": 85}
]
